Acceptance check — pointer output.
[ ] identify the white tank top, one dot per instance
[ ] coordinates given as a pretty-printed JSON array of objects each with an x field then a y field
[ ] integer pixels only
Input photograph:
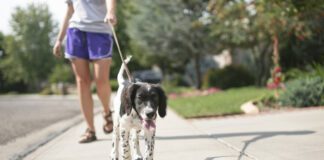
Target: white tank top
[{"x": 89, "y": 16}]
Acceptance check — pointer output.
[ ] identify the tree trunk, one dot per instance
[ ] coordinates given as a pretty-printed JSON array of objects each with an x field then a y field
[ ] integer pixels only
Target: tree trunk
[
  {"x": 276, "y": 59},
  {"x": 275, "y": 50},
  {"x": 197, "y": 70},
  {"x": 265, "y": 64},
  {"x": 261, "y": 59}
]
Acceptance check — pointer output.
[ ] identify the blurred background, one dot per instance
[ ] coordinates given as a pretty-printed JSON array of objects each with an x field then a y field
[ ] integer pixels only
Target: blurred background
[
  {"x": 192, "y": 43},
  {"x": 270, "y": 52}
]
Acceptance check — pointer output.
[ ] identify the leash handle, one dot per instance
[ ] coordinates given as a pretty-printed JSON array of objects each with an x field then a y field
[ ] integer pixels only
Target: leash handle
[{"x": 120, "y": 53}]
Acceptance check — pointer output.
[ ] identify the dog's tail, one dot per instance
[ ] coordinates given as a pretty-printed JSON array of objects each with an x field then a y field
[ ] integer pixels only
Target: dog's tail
[{"x": 120, "y": 77}]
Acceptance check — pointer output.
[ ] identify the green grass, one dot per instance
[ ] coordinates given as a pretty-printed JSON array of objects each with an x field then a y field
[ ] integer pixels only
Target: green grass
[{"x": 223, "y": 103}]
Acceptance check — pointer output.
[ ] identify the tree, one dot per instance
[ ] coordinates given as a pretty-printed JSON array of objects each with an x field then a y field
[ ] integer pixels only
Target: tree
[
  {"x": 257, "y": 25},
  {"x": 2, "y": 54},
  {"x": 28, "y": 50},
  {"x": 124, "y": 11},
  {"x": 299, "y": 51},
  {"x": 171, "y": 33}
]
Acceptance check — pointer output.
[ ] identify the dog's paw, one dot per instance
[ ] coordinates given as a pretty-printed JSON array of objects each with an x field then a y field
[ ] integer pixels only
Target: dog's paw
[
  {"x": 137, "y": 157},
  {"x": 114, "y": 157}
]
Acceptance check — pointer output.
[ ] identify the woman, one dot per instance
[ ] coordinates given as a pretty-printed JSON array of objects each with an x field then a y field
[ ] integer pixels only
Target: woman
[{"x": 89, "y": 40}]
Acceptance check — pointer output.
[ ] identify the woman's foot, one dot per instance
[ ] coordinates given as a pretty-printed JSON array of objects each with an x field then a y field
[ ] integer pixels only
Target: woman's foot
[
  {"x": 108, "y": 123},
  {"x": 88, "y": 136}
]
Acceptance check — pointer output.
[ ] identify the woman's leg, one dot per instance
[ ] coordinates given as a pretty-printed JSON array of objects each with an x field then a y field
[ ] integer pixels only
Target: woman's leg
[
  {"x": 101, "y": 74},
  {"x": 83, "y": 80}
]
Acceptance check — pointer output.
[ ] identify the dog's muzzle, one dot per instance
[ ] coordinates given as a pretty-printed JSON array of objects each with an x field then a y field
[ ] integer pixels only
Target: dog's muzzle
[{"x": 149, "y": 123}]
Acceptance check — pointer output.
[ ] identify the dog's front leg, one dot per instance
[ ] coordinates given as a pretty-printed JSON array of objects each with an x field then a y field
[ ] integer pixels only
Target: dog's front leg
[
  {"x": 115, "y": 142},
  {"x": 125, "y": 151},
  {"x": 149, "y": 144},
  {"x": 135, "y": 145}
]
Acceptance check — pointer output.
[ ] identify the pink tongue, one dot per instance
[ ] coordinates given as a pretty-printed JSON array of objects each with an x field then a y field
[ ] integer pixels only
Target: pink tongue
[{"x": 149, "y": 124}]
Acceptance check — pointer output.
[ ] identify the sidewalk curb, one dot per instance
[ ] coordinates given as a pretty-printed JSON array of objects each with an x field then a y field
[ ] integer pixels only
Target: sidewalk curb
[{"x": 21, "y": 147}]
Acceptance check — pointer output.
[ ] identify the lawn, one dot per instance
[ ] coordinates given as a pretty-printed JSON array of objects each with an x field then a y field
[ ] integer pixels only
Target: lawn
[{"x": 218, "y": 104}]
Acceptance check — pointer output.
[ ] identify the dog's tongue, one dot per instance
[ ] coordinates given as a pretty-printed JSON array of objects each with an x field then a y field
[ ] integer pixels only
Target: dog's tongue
[{"x": 149, "y": 124}]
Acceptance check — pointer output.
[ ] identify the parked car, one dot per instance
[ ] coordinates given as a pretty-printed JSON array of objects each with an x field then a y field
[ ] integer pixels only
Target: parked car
[{"x": 149, "y": 76}]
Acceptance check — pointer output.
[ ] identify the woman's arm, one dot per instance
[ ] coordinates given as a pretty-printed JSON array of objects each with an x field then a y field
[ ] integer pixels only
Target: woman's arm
[
  {"x": 57, "y": 47},
  {"x": 111, "y": 12}
]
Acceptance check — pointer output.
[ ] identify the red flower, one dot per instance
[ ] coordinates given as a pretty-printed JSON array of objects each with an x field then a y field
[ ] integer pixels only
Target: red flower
[
  {"x": 272, "y": 85},
  {"x": 277, "y": 70},
  {"x": 277, "y": 80}
]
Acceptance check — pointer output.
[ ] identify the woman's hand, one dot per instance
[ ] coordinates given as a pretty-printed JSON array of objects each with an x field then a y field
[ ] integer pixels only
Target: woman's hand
[
  {"x": 111, "y": 18},
  {"x": 57, "y": 49},
  {"x": 111, "y": 10}
]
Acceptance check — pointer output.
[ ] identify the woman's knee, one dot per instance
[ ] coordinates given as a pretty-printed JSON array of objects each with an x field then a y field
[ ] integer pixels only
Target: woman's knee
[
  {"x": 83, "y": 81},
  {"x": 102, "y": 81}
]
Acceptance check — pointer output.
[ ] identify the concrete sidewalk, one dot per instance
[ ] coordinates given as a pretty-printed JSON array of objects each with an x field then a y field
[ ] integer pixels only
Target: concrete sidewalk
[{"x": 291, "y": 135}]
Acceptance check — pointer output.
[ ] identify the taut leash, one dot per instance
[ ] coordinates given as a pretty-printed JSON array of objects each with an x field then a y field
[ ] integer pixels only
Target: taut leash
[{"x": 120, "y": 53}]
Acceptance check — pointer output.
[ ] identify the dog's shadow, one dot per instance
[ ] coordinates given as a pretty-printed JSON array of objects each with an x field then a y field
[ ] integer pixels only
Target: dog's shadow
[{"x": 257, "y": 136}]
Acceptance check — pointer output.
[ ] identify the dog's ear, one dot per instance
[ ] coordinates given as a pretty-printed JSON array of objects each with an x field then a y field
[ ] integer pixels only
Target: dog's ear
[
  {"x": 128, "y": 99},
  {"x": 162, "y": 102}
]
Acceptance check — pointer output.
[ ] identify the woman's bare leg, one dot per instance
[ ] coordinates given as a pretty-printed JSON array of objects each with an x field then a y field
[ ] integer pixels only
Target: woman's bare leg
[
  {"x": 101, "y": 74},
  {"x": 83, "y": 80}
]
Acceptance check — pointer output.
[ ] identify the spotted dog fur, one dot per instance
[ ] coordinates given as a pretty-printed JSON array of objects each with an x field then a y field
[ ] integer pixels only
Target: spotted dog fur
[{"x": 136, "y": 107}]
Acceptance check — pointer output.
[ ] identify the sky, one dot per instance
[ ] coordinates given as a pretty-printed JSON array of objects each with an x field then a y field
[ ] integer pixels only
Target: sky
[{"x": 56, "y": 7}]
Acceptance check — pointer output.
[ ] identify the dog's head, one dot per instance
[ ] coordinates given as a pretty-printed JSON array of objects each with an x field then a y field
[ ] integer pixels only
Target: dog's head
[{"x": 146, "y": 99}]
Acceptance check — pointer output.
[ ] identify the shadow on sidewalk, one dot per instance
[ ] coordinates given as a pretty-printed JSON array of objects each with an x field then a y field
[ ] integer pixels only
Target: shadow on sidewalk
[
  {"x": 219, "y": 157},
  {"x": 258, "y": 136}
]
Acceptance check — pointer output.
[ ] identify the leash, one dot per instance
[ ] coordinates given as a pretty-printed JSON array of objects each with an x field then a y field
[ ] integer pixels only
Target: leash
[{"x": 120, "y": 53}]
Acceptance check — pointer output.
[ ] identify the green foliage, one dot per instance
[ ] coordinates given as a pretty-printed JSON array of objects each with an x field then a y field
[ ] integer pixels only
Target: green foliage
[
  {"x": 61, "y": 73},
  {"x": 114, "y": 85},
  {"x": 315, "y": 70},
  {"x": 228, "y": 77},
  {"x": 173, "y": 30},
  {"x": 252, "y": 25},
  {"x": 169, "y": 88},
  {"x": 218, "y": 104},
  {"x": 175, "y": 80},
  {"x": 248, "y": 22},
  {"x": 300, "y": 52},
  {"x": 2, "y": 41},
  {"x": 267, "y": 102},
  {"x": 46, "y": 91},
  {"x": 28, "y": 50},
  {"x": 303, "y": 92},
  {"x": 124, "y": 11}
]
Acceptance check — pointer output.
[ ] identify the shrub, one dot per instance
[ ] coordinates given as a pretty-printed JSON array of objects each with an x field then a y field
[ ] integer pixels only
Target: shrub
[
  {"x": 113, "y": 85},
  {"x": 228, "y": 77},
  {"x": 46, "y": 91},
  {"x": 61, "y": 73},
  {"x": 303, "y": 92},
  {"x": 175, "y": 83},
  {"x": 314, "y": 70}
]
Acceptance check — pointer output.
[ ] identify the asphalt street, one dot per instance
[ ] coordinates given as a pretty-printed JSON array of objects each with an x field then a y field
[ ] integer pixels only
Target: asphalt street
[{"x": 21, "y": 115}]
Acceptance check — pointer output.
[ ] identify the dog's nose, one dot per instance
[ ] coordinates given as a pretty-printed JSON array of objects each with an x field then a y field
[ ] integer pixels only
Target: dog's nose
[{"x": 150, "y": 115}]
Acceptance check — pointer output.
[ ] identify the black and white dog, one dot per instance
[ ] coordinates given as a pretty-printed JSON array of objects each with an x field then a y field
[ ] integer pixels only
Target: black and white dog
[{"x": 136, "y": 106}]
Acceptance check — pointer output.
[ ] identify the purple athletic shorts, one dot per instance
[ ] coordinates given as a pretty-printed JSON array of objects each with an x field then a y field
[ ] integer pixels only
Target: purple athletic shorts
[{"x": 88, "y": 45}]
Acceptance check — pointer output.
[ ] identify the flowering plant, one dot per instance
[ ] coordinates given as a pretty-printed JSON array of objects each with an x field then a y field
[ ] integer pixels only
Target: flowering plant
[{"x": 276, "y": 79}]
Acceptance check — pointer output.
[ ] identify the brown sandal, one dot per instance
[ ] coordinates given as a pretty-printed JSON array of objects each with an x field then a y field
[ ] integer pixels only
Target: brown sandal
[
  {"x": 88, "y": 136},
  {"x": 108, "y": 124}
]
